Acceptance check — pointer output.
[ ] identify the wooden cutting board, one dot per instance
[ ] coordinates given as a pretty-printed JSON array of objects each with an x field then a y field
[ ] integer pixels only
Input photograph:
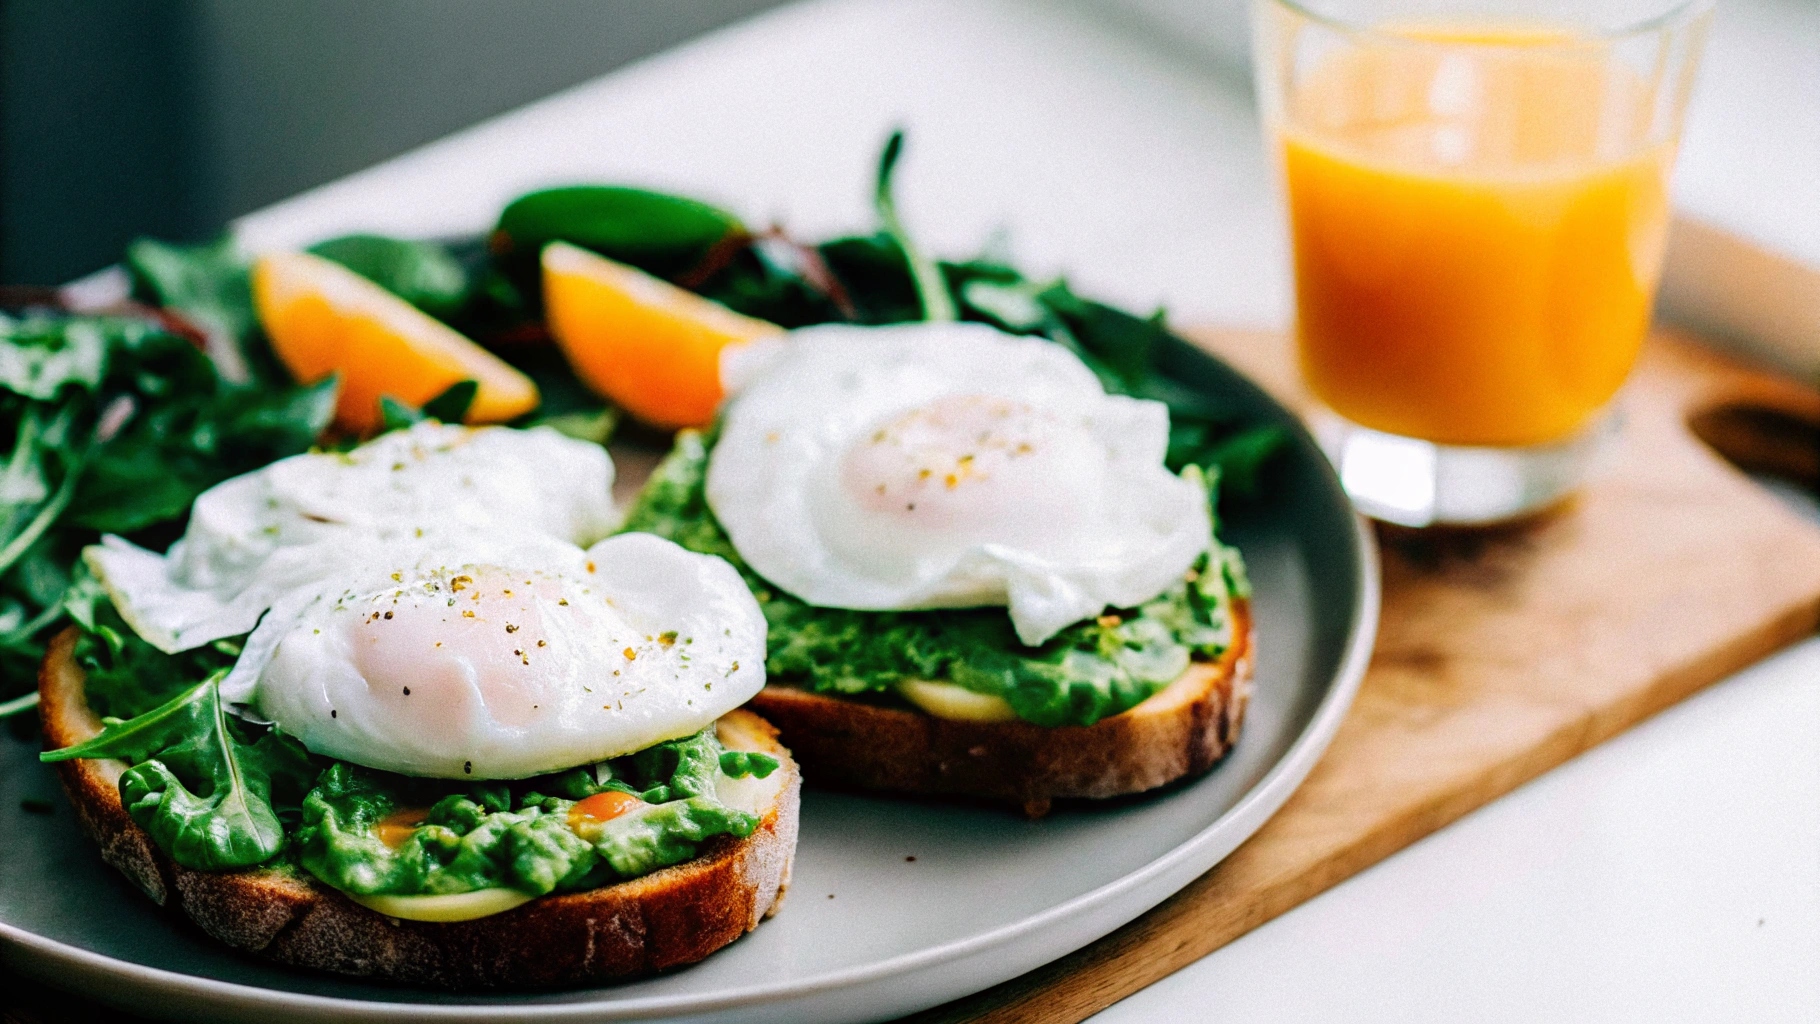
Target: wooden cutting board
[{"x": 1504, "y": 653}]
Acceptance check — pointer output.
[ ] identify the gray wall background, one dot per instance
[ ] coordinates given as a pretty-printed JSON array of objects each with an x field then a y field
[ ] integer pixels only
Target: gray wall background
[{"x": 168, "y": 117}]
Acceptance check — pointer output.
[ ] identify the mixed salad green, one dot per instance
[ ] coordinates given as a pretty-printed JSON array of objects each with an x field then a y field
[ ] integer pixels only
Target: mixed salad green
[{"x": 117, "y": 419}]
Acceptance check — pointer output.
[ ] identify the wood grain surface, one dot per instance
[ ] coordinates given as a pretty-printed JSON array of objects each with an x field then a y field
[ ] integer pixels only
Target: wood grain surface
[{"x": 1501, "y": 654}]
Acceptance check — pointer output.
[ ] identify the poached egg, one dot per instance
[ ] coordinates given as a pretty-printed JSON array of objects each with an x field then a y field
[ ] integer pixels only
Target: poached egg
[
  {"x": 503, "y": 660},
  {"x": 258, "y": 536},
  {"x": 940, "y": 465},
  {"x": 424, "y": 604}
]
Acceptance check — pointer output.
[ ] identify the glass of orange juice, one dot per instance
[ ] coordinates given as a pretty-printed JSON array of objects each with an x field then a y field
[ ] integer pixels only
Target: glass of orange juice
[{"x": 1478, "y": 207}]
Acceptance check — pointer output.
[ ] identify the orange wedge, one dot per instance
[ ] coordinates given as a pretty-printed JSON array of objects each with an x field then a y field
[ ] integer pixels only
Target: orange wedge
[
  {"x": 652, "y": 348},
  {"x": 323, "y": 318}
]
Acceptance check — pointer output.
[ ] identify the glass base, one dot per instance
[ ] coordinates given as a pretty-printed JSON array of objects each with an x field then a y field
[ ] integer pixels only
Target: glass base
[{"x": 1412, "y": 482}]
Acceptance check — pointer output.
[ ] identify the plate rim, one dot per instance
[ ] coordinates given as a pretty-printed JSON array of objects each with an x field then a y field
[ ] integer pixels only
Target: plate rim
[{"x": 1201, "y": 852}]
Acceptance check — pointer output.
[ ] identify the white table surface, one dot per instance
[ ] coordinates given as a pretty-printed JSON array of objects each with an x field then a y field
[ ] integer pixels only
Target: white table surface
[{"x": 1670, "y": 875}]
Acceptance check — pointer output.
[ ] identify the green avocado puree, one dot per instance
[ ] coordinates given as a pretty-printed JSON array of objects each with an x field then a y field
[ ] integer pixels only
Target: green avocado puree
[
  {"x": 520, "y": 835},
  {"x": 1089, "y": 671}
]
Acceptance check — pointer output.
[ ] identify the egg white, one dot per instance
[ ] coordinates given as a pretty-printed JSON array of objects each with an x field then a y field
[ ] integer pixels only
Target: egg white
[
  {"x": 255, "y": 537},
  {"x": 951, "y": 465},
  {"x": 503, "y": 659}
]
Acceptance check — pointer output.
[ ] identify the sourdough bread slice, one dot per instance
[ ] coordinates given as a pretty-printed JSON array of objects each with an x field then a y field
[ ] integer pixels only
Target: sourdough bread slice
[
  {"x": 1180, "y": 731},
  {"x": 671, "y": 917}
]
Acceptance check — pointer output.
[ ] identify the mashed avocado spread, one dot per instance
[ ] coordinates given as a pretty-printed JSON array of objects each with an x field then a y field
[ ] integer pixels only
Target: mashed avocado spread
[
  {"x": 217, "y": 793},
  {"x": 374, "y": 833},
  {"x": 1089, "y": 671}
]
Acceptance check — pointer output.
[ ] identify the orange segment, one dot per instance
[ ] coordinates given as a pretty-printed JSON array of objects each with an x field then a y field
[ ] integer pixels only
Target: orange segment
[
  {"x": 651, "y": 347},
  {"x": 323, "y": 318},
  {"x": 603, "y": 806},
  {"x": 397, "y": 828}
]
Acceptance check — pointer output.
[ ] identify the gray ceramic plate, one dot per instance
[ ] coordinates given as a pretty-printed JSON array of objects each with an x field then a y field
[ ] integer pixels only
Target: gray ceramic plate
[{"x": 867, "y": 933}]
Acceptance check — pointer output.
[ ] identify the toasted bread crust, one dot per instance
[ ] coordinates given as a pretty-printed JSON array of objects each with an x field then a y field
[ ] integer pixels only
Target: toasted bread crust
[
  {"x": 1183, "y": 730},
  {"x": 666, "y": 919}
]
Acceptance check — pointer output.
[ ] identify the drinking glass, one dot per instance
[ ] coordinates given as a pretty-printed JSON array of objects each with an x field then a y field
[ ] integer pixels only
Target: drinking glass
[{"x": 1478, "y": 206}]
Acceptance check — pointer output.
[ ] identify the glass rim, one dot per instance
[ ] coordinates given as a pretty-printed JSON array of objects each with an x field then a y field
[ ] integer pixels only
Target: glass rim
[{"x": 1675, "y": 16}]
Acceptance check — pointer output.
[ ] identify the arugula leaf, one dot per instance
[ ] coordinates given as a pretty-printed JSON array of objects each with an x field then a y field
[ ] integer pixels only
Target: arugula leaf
[
  {"x": 125, "y": 676},
  {"x": 198, "y": 785},
  {"x": 117, "y": 425},
  {"x": 596, "y": 427},
  {"x": 1010, "y": 305},
  {"x": 424, "y": 274},
  {"x": 258, "y": 428},
  {"x": 140, "y": 737},
  {"x": 1239, "y": 459},
  {"x": 931, "y": 287},
  {"x": 208, "y": 283},
  {"x": 179, "y": 447},
  {"x": 876, "y": 276},
  {"x": 1122, "y": 351},
  {"x": 1124, "y": 344},
  {"x": 211, "y": 286},
  {"x": 772, "y": 279},
  {"x": 448, "y": 407},
  {"x": 452, "y": 405},
  {"x": 395, "y": 415},
  {"x": 40, "y": 355},
  {"x": 560, "y": 390}
]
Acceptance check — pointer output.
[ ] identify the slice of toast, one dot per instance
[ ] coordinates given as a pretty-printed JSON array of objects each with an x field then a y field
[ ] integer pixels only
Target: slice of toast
[
  {"x": 1182, "y": 730},
  {"x": 671, "y": 917}
]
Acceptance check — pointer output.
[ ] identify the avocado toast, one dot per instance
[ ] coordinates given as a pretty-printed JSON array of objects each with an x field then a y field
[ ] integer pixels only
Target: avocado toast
[
  {"x": 953, "y": 702},
  {"x": 673, "y": 916}
]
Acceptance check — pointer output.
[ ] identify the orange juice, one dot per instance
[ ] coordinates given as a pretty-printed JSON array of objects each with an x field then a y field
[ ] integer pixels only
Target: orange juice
[{"x": 1478, "y": 229}]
